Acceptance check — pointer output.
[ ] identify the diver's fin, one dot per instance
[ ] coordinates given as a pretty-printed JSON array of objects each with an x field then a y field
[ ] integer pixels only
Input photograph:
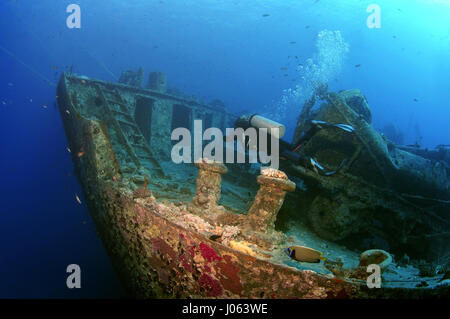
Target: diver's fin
[
  {"x": 345, "y": 127},
  {"x": 338, "y": 169},
  {"x": 322, "y": 124},
  {"x": 316, "y": 122},
  {"x": 316, "y": 164},
  {"x": 321, "y": 170}
]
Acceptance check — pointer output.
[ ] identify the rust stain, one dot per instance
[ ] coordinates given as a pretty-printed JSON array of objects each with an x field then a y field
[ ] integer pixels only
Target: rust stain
[
  {"x": 208, "y": 253},
  {"x": 229, "y": 275},
  {"x": 164, "y": 249},
  {"x": 211, "y": 285}
]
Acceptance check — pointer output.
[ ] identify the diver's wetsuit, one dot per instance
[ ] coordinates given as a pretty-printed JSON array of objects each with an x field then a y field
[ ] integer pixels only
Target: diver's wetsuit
[{"x": 289, "y": 152}]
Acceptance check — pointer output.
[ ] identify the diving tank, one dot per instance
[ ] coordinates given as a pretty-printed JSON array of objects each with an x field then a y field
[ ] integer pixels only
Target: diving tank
[{"x": 258, "y": 121}]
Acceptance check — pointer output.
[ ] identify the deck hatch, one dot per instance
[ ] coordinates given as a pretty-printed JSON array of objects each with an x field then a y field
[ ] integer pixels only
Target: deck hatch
[
  {"x": 181, "y": 117},
  {"x": 143, "y": 116}
]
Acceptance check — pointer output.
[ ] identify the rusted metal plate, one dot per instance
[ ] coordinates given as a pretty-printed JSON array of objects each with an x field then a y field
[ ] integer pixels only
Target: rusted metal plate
[{"x": 159, "y": 256}]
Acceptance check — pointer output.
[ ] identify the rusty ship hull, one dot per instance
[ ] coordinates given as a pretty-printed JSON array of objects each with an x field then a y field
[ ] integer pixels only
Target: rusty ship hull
[{"x": 153, "y": 255}]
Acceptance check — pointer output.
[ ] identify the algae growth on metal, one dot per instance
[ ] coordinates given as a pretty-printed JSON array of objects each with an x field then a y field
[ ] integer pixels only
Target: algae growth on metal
[{"x": 219, "y": 230}]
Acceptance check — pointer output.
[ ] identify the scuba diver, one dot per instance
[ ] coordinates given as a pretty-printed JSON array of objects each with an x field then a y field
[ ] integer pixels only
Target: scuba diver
[{"x": 289, "y": 151}]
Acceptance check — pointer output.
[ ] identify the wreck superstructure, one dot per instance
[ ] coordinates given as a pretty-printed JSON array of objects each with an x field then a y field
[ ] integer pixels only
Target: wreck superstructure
[
  {"x": 384, "y": 194},
  {"x": 204, "y": 229}
]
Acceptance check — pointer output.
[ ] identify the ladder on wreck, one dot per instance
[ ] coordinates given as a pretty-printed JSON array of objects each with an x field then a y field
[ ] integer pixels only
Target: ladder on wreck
[{"x": 123, "y": 123}]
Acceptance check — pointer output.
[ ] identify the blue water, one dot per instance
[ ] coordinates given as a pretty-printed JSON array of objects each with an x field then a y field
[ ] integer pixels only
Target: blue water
[{"x": 222, "y": 49}]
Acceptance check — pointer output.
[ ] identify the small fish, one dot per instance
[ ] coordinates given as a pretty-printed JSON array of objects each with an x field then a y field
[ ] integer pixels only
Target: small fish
[
  {"x": 44, "y": 106},
  {"x": 81, "y": 152},
  {"x": 68, "y": 150},
  {"x": 307, "y": 27},
  {"x": 284, "y": 69},
  {"x": 78, "y": 199},
  {"x": 292, "y": 42},
  {"x": 416, "y": 100},
  {"x": 84, "y": 222},
  {"x": 3, "y": 102},
  {"x": 54, "y": 67},
  {"x": 83, "y": 81},
  {"x": 305, "y": 254},
  {"x": 114, "y": 179},
  {"x": 265, "y": 15},
  {"x": 67, "y": 111},
  {"x": 31, "y": 100},
  {"x": 10, "y": 84},
  {"x": 357, "y": 65}
]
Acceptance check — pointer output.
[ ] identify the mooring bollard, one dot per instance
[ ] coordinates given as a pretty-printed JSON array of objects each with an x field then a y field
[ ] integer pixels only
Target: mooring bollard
[
  {"x": 269, "y": 199},
  {"x": 209, "y": 182}
]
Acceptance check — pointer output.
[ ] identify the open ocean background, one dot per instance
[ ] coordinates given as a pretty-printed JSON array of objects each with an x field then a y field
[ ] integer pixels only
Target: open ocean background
[{"x": 232, "y": 50}]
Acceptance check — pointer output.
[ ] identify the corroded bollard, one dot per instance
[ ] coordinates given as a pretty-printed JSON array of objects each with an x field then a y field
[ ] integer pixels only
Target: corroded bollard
[
  {"x": 209, "y": 181},
  {"x": 269, "y": 199}
]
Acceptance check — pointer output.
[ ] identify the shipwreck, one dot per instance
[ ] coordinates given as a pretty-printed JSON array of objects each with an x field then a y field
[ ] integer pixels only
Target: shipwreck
[{"x": 210, "y": 230}]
